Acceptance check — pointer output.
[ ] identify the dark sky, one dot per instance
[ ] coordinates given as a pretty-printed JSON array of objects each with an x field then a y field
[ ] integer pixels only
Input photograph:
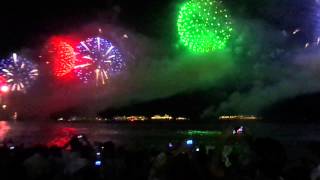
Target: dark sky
[{"x": 24, "y": 24}]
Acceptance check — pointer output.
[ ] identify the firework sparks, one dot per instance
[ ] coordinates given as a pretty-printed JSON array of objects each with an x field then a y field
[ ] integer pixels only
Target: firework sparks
[
  {"x": 296, "y": 31},
  {"x": 306, "y": 45},
  {"x": 204, "y": 25},
  {"x": 97, "y": 59},
  {"x": 19, "y": 72},
  {"x": 62, "y": 56}
]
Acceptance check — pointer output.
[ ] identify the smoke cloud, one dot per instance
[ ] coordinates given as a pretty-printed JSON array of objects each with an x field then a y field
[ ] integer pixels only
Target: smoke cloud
[{"x": 261, "y": 67}]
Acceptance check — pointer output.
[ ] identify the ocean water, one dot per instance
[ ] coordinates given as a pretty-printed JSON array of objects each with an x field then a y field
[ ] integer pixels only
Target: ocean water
[{"x": 50, "y": 133}]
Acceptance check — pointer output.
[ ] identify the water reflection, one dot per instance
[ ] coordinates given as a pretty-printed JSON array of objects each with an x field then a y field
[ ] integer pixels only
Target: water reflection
[
  {"x": 4, "y": 129},
  {"x": 58, "y": 134},
  {"x": 62, "y": 136}
]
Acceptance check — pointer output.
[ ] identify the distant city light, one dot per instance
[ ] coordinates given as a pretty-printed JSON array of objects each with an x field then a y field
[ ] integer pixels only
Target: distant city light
[
  {"x": 132, "y": 118},
  {"x": 136, "y": 118},
  {"x": 239, "y": 117},
  {"x": 201, "y": 133},
  {"x": 165, "y": 117},
  {"x": 181, "y": 118}
]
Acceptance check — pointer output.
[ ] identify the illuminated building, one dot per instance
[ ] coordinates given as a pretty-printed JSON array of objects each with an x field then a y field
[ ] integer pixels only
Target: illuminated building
[
  {"x": 74, "y": 118},
  {"x": 120, "y": 118},
  {"x": 130, "y": 118},
  {"x": 136, "y": 118},
  {"x": 181, "y": 118},
  {"x": 239, "y": 118},
  {"x": 159, "y": 117},
  {"x": 99, "y": 119}
]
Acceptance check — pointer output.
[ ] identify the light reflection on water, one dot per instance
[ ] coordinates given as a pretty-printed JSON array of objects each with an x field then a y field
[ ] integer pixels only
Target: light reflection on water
[
  {"x": 30, "y": 133},
  {"x": 62, "y": 136},
  {"x": 4, "y": 129},
  {"x": 58, "y": 134}
]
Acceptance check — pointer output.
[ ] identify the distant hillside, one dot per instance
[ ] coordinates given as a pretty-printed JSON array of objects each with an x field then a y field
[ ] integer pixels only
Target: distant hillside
[{"x": 304, "y": 108}]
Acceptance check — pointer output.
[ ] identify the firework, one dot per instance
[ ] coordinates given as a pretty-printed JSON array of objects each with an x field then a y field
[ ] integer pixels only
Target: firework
[
  {"x": 97, "y": 59},
  {"x": 306, "y": 45},
  {"x": 296, "y": 31},
  {"x": 18, "y": 72},
  {"x": 4, "y": 88},
  {"x": 204, "y": 25},
  {"x": 62, "y": 56}
]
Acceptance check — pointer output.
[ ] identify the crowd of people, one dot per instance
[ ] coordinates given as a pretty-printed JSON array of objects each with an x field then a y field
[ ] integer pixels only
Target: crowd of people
[{"x": 237, "y": 157}]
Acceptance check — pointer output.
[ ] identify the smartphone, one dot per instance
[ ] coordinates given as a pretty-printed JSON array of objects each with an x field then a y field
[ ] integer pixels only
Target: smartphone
[
  {"x": 98, "y": 163},
  {"x": 189, "y": 142}
]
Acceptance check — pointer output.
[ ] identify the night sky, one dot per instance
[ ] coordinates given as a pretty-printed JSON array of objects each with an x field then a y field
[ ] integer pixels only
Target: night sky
[
  {"x": 270, "y": 71},
  {"x": 26, "y": 23}
]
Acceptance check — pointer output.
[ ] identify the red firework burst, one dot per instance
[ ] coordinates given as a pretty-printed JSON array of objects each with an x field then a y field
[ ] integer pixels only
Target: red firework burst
[
  {"x": 4, "y": 88},
  {"x": 62, "y": 56}
]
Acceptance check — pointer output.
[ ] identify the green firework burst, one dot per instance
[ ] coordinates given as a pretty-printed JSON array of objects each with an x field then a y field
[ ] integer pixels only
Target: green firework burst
[{"x": 204, "y": 25}]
